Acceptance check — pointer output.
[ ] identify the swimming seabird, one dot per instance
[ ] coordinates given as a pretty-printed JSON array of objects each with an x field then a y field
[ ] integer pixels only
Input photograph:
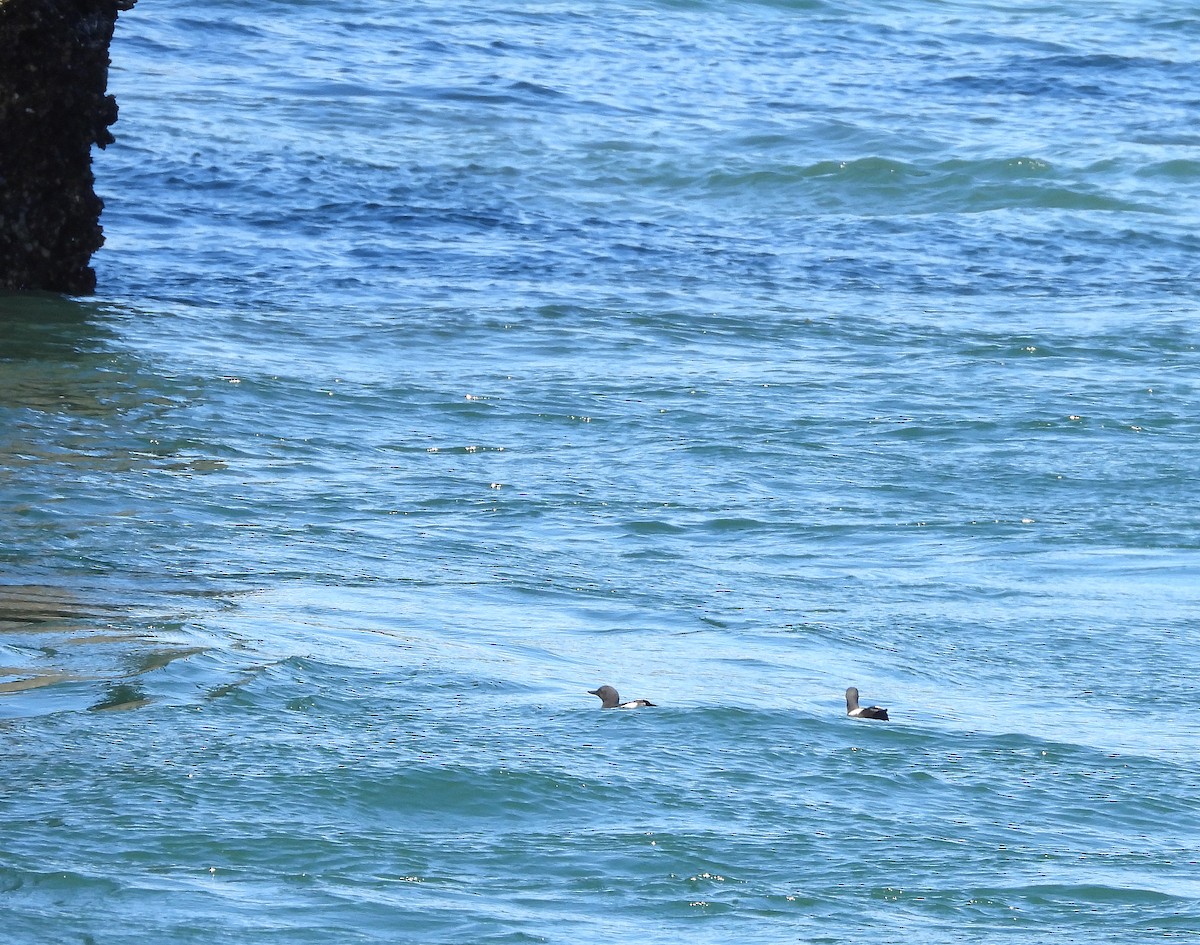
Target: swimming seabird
[
  {"x": 856, "y": 712},
  {"x": 610, "y": 700}
]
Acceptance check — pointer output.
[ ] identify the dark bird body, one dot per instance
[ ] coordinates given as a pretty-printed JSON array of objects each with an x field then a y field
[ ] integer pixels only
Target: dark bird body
[{"x": 855, "y": 711}]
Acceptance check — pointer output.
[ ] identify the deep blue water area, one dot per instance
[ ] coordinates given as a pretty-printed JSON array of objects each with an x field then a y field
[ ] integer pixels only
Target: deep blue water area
[{"x": 447, "y": 364}]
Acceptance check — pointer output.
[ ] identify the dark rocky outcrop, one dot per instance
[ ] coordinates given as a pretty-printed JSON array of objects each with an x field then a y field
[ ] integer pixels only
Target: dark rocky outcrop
[{"x": 53, "y": 107}]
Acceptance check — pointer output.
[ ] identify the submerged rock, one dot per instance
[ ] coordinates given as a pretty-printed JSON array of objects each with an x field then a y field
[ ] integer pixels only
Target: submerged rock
[{"x": 53, "y": 107}]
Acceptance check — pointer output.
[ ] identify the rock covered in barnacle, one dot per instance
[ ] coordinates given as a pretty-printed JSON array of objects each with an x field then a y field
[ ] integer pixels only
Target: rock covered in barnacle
[{"x": 53, "y": 107}]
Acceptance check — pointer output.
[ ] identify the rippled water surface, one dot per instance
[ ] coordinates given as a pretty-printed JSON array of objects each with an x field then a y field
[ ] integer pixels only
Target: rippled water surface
[{"x": 449, "y": 364}]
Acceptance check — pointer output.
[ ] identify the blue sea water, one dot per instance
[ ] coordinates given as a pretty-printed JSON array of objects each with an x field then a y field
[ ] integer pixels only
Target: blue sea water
[{"x": 448, "y": 363}]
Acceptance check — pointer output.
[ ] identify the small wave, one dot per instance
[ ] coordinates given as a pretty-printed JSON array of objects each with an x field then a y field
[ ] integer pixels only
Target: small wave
[
  {"x": 885, "y": 186},
  {"x": 1179, "y": 169},
  {"x": 653, "y": 527}
]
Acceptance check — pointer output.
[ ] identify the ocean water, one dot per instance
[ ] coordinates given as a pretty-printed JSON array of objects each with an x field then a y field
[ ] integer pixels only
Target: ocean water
[{"x": 449, "y": 363}]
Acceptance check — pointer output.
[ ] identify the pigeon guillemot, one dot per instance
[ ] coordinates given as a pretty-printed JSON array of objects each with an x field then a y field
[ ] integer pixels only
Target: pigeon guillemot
[
  {"x": 610, "y": 700},
  {"x": 856, "y": 712}
]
